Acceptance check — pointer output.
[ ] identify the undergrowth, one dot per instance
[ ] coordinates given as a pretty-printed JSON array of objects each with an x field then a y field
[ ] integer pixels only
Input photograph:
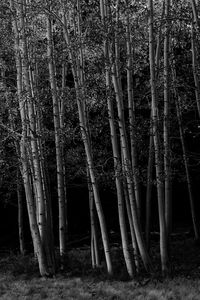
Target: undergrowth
[{"x": 19, "y": 277}]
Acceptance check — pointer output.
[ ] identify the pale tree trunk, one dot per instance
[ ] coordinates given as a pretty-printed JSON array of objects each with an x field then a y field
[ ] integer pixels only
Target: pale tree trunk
[
  {"x": 127, "y": 166},
  {"x": 195, "y": 14},
  {"x": 29, "y": 140},
  {"x": 28, "y": 93},
  {"x": 94, "y": 227},
  {"x": 157, "y": 148},
  {"x": 114, "y": 56},
  {"x": 62, "y": 125},
  {"x": 136, "y": 263},
  {"x": 76, "y": 56},
  {"x": 116, "y": 155},
  {"x": 149, "y": 189},
  {"x": 151, "y": 147},
  {"x": 128, "y": 172},
  {"x": 131, "y": 109},
  {"x": 58, "y": 143},
  {"x": 166, "y": 125},
  {"x": 37, "y": 242}
]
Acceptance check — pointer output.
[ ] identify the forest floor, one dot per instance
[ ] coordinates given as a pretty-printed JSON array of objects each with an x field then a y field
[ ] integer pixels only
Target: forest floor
[{"x": 19, "y": 278}]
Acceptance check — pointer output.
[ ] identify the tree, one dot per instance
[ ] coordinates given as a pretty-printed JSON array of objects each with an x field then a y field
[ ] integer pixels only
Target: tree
[
  {"x": 77, "y": 64},
  {"x": 157, "y": 147},
  {"x": 29, "y": 147}
]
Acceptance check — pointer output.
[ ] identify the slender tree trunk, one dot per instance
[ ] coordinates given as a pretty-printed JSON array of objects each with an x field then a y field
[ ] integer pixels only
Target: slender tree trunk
[
  {"x": 116, "y": 156},
  {"x": 29, "y": 138},
  {"x": 94, "y": 229},
  {"x": 149, "y": 190},
  {"x": 157, "y": 148},
  {"x": 151, "y": 148},
  {"x": 166, "y": 125},
  {"x": 58, "y": 143},
  {"x": 131, "y": 109}
]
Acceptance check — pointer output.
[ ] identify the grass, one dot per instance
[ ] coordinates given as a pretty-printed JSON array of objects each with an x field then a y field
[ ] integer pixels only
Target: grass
[{"x": 19, "y": 278}]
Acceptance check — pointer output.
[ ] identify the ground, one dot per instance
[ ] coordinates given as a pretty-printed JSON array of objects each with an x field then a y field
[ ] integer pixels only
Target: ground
[{"x": 19, "y": 278}]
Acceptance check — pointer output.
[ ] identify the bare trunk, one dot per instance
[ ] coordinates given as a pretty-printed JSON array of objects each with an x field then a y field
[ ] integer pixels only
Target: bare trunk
[
  {"x": 149, "y": 190},
  {"x": 94, "y": 229},
  {"x": 58, "y": 144},
  {"x": 116, "y": 156},
  {"x": 166, "y": 125},
  {"x": 157, "y": 148},
  {"x": 76, "y": 60}
]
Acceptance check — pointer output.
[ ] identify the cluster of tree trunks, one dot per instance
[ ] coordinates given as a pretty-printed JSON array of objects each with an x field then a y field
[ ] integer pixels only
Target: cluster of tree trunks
[{"x": 30, "y": 148}]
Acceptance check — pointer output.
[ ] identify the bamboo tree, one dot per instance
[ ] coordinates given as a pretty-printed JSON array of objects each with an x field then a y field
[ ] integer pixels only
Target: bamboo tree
[{"x": 157, "y": 147}]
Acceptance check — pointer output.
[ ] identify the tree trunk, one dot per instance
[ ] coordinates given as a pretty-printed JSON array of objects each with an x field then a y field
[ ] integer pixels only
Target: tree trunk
[
  {"x": 131, "y": 110},
  {"x": 157, "y": 148},
  {"x": 166, "y": 125},
  {"x": 58, "y": 143},
  {"x": 94, "y": 229},
  {"x": 149, "y": 190},
  {"x": 29, "y": 142},
  {"x": 77, "y": 70}
]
